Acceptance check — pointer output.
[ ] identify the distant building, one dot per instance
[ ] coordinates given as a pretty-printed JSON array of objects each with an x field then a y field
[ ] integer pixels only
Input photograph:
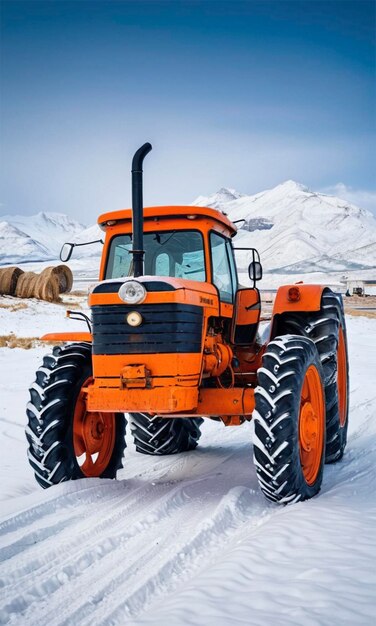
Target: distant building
[{"x": 361, "y": 287}]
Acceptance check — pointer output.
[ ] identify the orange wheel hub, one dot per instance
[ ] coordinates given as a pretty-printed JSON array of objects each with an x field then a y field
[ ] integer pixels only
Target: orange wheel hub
[
  {"x": 342, "y": 378},
  {"x": 311, "y": 425},
  {"x": 93, "y": 436}
]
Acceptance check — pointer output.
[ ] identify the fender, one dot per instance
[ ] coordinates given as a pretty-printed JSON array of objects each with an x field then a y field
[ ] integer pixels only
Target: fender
[
  {"x": 309, "y": 298},
  {"x": 71, "y": 337}
]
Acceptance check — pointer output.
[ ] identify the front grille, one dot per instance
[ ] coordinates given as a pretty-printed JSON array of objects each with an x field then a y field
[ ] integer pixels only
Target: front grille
[{"x": 166, "y": 328}]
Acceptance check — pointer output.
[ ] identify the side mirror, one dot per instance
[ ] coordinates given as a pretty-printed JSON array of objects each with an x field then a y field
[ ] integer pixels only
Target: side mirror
[
  {"x": 66, "y": 252},
  {"x": 255, "y": 271}
]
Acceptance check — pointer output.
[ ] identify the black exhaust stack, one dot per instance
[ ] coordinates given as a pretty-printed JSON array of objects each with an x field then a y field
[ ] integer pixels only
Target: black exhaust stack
[{"x": 138, "y": 209}]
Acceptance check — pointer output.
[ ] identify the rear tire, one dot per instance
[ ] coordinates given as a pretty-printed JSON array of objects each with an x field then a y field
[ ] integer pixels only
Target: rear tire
[
  {"x": 289, "y": 419},
  {"x": 54, "y": 422},
  {"x": 164, "y": 435},
  {"x": 327, "y": 329}
]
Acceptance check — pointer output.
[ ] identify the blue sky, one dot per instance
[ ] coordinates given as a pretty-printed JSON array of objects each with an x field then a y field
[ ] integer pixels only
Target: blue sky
[{"x": 238, "y": 94}]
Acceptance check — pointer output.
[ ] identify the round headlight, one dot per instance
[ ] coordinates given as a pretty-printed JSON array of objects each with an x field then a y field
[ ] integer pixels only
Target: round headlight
[
  {"x": 134, "y": 318},
  {"x": 132, "y": 292}
]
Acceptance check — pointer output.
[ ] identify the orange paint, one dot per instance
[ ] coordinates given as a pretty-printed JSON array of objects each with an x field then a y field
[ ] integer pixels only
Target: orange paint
[
  {"x": 93, "y": 435},
  {"x": 310, "y": 299},
  {"x": 311, "y": 425},
  {"x": 342, "y": 378},
  {"x": 71, "y": 337},
  {"x": 171, "y": 401}
]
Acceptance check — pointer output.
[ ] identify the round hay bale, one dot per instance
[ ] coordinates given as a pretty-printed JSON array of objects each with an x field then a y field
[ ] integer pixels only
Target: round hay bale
[
  {"x": 26, "y": 285},
  {"x": 47, "y": 287},
  {"x": 63, "y": 274},
  {"x": 8, "y": 280}
]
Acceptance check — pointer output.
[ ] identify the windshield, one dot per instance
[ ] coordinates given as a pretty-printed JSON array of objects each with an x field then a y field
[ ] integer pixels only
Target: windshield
[{"x": 177, "y": 253}]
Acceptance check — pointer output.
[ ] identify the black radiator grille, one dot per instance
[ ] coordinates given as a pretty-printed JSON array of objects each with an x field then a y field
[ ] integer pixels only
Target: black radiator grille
[{"x": 166, "y": 328}]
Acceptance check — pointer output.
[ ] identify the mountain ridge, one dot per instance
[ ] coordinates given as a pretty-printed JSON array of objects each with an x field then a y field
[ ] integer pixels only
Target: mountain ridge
[{"x": 292, "y": 226}]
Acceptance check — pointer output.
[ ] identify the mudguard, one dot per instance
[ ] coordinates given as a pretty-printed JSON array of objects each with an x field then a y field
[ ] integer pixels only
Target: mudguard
[
  {"x": 309, "y": 298},
  {"x": 71, "y": 337}
]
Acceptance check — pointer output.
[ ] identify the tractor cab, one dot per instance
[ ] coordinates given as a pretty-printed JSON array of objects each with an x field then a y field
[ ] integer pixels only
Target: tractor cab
[{"x": 190, "y": 244}]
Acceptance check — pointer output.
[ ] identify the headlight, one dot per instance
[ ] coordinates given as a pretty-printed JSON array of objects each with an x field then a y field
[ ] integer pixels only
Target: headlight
[
  {"x": 134, "y": 318},
  {"x": 132, "y": 292}
]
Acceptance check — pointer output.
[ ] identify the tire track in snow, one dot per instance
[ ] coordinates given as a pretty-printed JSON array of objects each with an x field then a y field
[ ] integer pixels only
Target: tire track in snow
[
  {"x": 235, "y": 510},
  {"x": 32, "y": 538},
  {"x": 116, "y": 508},
  {"x": 129, "y": 577},
  {"x": 101, "y": 546},
  {"x": 93, "y": 541},
  {"x": 68, "y": 512},
  {"x": 73, "y": 493}
]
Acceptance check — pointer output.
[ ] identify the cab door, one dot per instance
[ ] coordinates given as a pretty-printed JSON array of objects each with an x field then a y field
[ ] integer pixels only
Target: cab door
[{"x": 223, "y": 267}]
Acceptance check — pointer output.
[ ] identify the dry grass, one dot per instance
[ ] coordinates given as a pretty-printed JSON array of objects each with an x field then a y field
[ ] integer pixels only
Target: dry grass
[
  {"x": 79, "y": 293},
  {"x": 359, "y": 313},
  {"x": 70, "y": 305},
  {"x": 14, "y": 307},
  {"x": 355, "y": 304},
  {"x": 11, "y": 341}
]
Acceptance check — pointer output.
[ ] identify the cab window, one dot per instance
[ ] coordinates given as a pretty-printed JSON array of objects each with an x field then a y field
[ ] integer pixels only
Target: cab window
[
  {"x": 177, "y": 253},
  {"x": 234, "y": 273},
  {"x": 221, "y": 267}
]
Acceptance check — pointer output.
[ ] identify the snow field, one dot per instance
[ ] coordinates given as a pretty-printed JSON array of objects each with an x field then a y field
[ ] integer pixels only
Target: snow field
[
  {"x": 37, "y": 318},
  {"x": 189, "y": 539}
]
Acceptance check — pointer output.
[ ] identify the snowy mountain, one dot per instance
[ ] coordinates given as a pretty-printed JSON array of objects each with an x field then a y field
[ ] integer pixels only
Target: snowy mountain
[
  {"x": 298, "y": 230},
  {"x": 49, "y": 229},
  {"x": 17, "y": 246},
  {"x": 219, "y": 199}
]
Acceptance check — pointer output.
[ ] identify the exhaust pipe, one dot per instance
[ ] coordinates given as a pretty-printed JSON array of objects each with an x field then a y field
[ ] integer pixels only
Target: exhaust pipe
[{"x": 138, "y": 209}]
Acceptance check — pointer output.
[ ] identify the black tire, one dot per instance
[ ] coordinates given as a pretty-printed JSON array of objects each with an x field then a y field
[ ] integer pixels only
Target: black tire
[
  {"x": 323, "y": 327},
  {"x": 277, "y": 449},
  {"x": 50, "y": 411},
  {"x": 170, "y": 435}
]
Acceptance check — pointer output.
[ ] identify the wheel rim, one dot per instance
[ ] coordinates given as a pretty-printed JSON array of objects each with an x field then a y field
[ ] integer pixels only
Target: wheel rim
[
  {"x": 311, "y": 425},
  {"x": 93, "y": 436},
  {"x": 342, "y": 378}
]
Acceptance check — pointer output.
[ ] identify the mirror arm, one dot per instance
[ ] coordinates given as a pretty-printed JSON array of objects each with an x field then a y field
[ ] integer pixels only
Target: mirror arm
[
  {"x": 74, "y": 245},
  {"x": 81, "y": 317},
  {"x": 87, "y": 243}
]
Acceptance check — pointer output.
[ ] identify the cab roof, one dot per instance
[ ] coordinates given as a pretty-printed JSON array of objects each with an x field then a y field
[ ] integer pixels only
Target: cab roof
[{"x": 155, "y": 212}]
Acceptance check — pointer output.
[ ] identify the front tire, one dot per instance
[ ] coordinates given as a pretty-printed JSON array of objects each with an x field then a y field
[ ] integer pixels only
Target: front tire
[
  {"x": 164, "y": 435},
  {"x": 289, "y": 440},
  {"x": 66, "y": 442}
]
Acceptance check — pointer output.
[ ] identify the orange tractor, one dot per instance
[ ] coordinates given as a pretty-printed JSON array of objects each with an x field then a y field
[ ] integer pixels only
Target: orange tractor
[{"x": 174, "y": 338}]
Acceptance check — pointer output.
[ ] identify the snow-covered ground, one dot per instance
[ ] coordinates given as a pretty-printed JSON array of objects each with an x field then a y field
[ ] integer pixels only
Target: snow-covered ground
[
  {"x": 189, "y": 539},
  {"x": 34, "y": 318}
]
